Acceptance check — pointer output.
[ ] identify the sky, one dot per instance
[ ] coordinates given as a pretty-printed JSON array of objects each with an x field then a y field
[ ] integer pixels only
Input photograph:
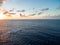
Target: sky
[{"x": 35, "y": 9}]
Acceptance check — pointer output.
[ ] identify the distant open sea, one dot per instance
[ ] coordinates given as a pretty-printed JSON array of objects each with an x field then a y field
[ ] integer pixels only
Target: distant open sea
[{"x": 30, "y": 32}]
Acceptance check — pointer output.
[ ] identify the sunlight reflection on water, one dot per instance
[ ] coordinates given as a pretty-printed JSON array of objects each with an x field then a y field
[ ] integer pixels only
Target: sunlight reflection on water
[{"x": 3, "y": 29}]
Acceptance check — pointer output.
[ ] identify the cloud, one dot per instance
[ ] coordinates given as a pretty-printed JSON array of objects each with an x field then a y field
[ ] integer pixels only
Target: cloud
[
  {"x": 45, "y": 9},
  {"x": 22, "y": 15},
  {"x": 33, "y": 9},
  {"x": 2, "y": 2},
  {"x": 11, "y": 10},
  {"x": 5, "y": 12},
  {"x": 39, "y": 13},
  {"x": 31, "y": 14},
  {"x": 21, "y": 10},
  {"x": 55, "y": 16}
]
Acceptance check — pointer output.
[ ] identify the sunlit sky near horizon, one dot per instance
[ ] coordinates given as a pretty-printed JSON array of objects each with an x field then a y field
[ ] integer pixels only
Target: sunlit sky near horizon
[{"x": 34, "y": 8}]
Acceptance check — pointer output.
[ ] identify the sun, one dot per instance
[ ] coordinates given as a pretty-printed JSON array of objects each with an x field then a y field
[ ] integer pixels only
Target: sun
[{"x": 2, "y": 16}]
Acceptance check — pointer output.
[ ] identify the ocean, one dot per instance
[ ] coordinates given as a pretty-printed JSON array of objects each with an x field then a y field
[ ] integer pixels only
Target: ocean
[{"x": 30, "y": 32}]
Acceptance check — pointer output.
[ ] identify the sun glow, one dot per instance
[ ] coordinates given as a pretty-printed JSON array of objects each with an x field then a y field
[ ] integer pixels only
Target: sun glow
[{"x": 2, "y": 16}]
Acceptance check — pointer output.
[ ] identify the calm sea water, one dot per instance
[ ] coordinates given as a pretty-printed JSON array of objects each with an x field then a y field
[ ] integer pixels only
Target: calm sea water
[{"x": 30, "y": 32}]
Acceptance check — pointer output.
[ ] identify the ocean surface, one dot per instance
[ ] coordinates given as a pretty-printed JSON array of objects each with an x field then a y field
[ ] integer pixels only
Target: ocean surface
[{"x": 30, "y": 32}]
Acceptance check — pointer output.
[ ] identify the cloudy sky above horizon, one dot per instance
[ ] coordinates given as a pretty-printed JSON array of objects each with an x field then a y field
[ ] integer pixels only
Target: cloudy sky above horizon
[{"x": 33, "y": 8}]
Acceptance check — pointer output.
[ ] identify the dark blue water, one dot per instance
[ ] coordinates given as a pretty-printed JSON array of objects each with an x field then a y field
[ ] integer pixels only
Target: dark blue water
[{"x": 30, "y": 32}]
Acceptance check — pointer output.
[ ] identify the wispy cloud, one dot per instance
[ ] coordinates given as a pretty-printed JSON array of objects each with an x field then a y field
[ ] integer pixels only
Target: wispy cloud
[
  {"x": 31, "y": 14},
  {"x": 39, "y": 13},
  {"x": 45, "y": 9},
  {"x": 21, "y": 10},
  {"x": 11, "y": 10}
]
